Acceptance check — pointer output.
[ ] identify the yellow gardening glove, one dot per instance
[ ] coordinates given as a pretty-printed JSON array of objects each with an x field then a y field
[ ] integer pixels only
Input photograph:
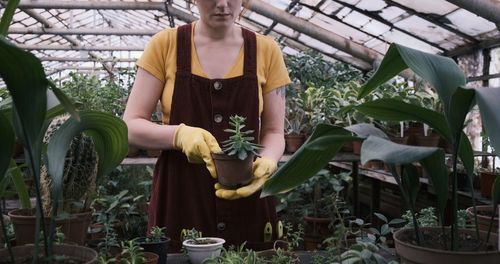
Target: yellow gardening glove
[
  {"x": 262, "y": 168},
  {"x": 197, "y": 144}
]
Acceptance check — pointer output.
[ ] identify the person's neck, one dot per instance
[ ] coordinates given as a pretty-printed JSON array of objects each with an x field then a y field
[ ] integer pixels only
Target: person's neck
[{"x": 205, "y": 31}]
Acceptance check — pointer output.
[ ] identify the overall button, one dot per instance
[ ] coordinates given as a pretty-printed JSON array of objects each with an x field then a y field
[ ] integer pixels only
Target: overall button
[
  {"x": 217, "y": 85},
  {"x": 221, "y": 226},
  {"x": 218, "y": 118}
]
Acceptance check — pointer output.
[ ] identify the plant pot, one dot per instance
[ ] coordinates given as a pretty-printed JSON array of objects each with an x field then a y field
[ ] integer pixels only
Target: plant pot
[
  {"x": 487, "y": 179},
  {"x": 232, "y": 172},
  {"x": 426, "y": 141},
  {"x": 197, "y": 253},
  {"x": 293, "y": 142},
  {"x": 132, "y": 151},
  {"x": 356, "y": 147},
  {"x": 316, "y": 231},
  {"x": 76, "y": 253},
  {"x": 400, "y": 140},
  {"x": 74, "y": 227},
  {"x": 158, "y": 247},
  {"x": 484, "y": 217},
  {"x": 413, "y": 254},
  {"x": 151, "y": 258}
]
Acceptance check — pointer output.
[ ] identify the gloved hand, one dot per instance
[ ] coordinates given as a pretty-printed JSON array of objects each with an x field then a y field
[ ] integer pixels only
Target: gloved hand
[
  {"x": 197, "y": 144},
  {"x": 262, "y": 168}
]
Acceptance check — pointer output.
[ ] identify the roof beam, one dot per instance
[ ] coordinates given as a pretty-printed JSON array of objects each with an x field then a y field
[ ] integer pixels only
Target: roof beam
[
  {"x": 111, "y": 5},
  {"x": 87, "y": 48},
  {"x": 83, "y": 31},
  {"x": 486, "y": 44},
  {"x": 315, "y": 31},
  {"x": 63, "y": 59},
  {"x": 387, "y": 23},
  {"x": 487, "y": 9},
  {"x": 432, "y": 20}
]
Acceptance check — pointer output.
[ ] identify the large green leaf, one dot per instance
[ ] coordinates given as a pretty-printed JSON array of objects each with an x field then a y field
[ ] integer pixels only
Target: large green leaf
[
  {"x": 25, "y": 78},
  {"x": 391, "y": 65},
  {"x": 21, "y": 187},
  {"x": 316, "y": 152},
  {"x": 65, "y": 101},
  {"x": 7, "y": 141},
  {"x": 365, "y": 130},
  {"x": 7, "y": 15},
  {"x": 395, "y": 110},
  {"x": 488, "y": 100},
  {"x": 432, "y": 159}
]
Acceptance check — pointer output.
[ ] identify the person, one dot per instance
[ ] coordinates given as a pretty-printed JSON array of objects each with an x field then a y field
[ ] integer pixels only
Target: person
[{"x": 202, "y": 73}]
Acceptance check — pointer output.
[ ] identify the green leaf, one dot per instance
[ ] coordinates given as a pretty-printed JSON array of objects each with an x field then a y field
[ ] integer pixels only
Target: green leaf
[
  {"x": 20, "y": 185},
  {"x": 308, "y": 160},
  {"x": 25, "y": 79},
  {"x": 438, "y": 175},
  {"x": 489, "y": 106},
  {"x": 8, "y": 14},
  {"x": 411, "y": 182},
  {"x": 65, "y": 101},
  {"x": 109, "y": 134},
  {"x": 365, "y": 130},
  {"x": 391, "y": 65},
  {"x": 495, "y": 192},
  {"x": 7, "y": 141},
  {"x": 381, "y": 217}
]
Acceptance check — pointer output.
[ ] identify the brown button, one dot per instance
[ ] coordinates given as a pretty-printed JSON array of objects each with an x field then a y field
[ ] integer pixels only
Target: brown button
[
  {"x": 218, "y": 118},
  {"x": 217, "y": 85},
  {"x": 221, "y": 226}
]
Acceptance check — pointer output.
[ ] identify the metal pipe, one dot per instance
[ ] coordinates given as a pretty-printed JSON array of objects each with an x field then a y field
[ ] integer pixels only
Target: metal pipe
[
  {"x": 487, "y": 9},
  {"x": 83, "y": 31},
  {"x": 92, "y": 48}
]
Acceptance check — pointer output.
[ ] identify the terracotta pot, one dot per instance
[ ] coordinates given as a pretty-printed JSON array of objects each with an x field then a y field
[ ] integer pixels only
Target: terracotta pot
[
  {"x": 487, "y": 179},
  {"x": 232, "y": 172},
  {"x": 484, "y": 217},
  {"x": 160, "y": 248},
  {"x": 400, "y": 140},
  {"x": 413, "y": 254},
  {"x": 316, "y": 230},
  {"x": 78, "y": 254},
  {"x": 356, "y": 147},
  {"x": 347, "y": 147},
  {"x": 151, "y": 258},
  {"x": 293, "y": 142},
  {"x": 74, "y": 227}
]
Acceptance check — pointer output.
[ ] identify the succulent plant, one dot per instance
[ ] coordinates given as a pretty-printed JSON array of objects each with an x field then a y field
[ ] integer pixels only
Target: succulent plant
[{"x": 239, "y": 143}]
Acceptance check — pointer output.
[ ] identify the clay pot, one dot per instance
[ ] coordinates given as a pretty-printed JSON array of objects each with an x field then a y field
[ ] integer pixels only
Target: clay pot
[
  {"x": 487, "y": 180},
  {"x": 232, "y": 172},
  {"x": 293, "y": 142},
  {"x": 78, "y": 254},
  {"x": 484, "y": 217}
]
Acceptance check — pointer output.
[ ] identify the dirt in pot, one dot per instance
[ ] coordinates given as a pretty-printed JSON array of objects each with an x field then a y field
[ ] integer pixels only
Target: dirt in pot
[
  {"x": 436, "y": 240},
  {"x": 202, "y": 241}
]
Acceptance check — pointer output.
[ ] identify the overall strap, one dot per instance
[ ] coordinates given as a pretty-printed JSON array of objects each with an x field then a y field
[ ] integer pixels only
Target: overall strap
[
  {"x": 250, "y": 53},
  {"x": 184, "y": 49}
]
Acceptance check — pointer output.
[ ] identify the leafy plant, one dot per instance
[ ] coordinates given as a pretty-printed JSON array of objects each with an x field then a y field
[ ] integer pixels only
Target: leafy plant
[
  {"x": 27, "y": 120},
  {"x": 386, "y": 228},
  {"x": 446, "y": 78},
  {"x": 239, "y": 143},
  {"x": 236, "y": 256},
  {"x": 132, "y": 253},
  {"x": 156, "y": 234}
]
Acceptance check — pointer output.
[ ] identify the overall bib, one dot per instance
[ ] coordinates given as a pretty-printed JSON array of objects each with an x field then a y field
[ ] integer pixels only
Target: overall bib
[{"x": 183, "y": 194}]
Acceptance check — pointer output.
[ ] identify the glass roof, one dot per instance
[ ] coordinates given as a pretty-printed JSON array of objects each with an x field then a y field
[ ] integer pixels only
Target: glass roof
[{"x": 84, "y": 34}]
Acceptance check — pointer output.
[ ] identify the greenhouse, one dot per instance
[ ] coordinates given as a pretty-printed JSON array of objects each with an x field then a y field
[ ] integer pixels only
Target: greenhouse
[{"x": 249, "y": 131}]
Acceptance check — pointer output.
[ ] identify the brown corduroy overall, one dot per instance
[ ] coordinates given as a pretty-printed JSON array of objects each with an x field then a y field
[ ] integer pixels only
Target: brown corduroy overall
[{"x": 183, "y": 194}]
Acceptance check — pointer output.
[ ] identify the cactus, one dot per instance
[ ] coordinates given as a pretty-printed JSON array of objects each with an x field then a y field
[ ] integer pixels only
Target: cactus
[{"x": 80, "y": 170}]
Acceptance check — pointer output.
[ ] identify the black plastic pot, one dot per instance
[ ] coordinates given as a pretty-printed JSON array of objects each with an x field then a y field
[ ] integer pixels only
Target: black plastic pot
[{"x": 160, "y": 247}]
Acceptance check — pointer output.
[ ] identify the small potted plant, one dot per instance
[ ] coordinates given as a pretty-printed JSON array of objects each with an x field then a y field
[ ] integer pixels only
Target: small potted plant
[
  {"x": 234, "y": 165},
  {"x": 133, "y": 253},
  {"x": 201, "y": 248},
  {"x": 156, "y": 242}
]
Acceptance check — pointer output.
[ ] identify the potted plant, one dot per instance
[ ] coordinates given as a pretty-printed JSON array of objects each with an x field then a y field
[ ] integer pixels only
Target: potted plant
[
  {"x": 200, "y": 248},
  {"x": 448, "y": 80},
  {"x": 133, "y": 253},
  {"x": 234, "y": 165},
  {"x": 294, "y": 125},
  {"x": 28, "y": 86},
  {"x": 156, "y": 242}
]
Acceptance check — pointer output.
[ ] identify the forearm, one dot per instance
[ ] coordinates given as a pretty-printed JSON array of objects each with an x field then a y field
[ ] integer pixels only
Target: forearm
[
  {"x": 148, "y": 135},
  {"x": 274, "y": 144}
]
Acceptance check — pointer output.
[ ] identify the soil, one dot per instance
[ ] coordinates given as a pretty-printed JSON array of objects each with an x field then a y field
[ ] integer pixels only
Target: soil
[
  {"x": 466, "y": 242},
  {"x": 202, "y": 241}
]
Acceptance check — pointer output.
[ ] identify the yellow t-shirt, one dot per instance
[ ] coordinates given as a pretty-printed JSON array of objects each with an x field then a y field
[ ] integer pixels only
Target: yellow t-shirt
[{"x": 160, "y": 60}]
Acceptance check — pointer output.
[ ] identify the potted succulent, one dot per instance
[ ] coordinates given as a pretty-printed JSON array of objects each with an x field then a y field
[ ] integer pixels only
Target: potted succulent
[
  {"x": 234, "y": 165},
  {"x": 448, "y": 80},
  {"x": 156, "y": 242},
  {"x": 133, "y": 253},
  {"x": 200, "y": 248},
  {"x": 28, "y": 86}
]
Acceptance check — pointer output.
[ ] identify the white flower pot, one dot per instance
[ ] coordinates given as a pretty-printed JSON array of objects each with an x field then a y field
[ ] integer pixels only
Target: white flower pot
[{"x": 197, "y": 253}]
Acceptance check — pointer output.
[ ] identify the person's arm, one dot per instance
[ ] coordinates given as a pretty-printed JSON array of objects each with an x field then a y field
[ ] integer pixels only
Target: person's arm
[
  {"x": 272, "y": 124},
  {"x": 143, "y": 133}
]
